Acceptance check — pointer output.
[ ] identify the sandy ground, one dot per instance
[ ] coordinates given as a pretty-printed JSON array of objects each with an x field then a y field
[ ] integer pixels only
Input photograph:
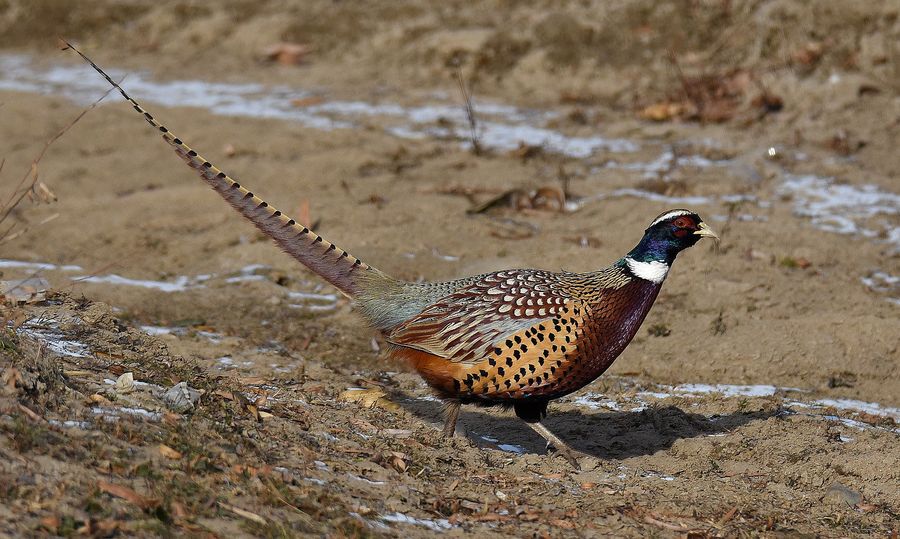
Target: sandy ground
[{"x": 762, "y": 395}]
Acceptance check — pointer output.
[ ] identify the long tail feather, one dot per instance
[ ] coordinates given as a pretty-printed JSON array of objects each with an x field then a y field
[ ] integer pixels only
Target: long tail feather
[{"x": 335, "y": 265}]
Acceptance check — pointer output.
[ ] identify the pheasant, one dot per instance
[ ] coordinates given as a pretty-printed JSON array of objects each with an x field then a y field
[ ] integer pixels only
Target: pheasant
[{"x": 517, "y": 338}]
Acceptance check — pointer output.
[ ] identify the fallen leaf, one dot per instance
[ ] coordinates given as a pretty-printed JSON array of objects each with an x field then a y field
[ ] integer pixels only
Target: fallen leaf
[
  {"x": 728, "y": 515},
  {"x": 11, "y": 378},
  {"x": 127, "y": 494},
  {"x": 287, "y": 53},
  {"x": 50, "y": 523},
  {"x": 369, "y": 398},
  {"x": 168, "y": 452},
  {"x": 661, "y": 112},
  {"x": 254, "y": 411}
]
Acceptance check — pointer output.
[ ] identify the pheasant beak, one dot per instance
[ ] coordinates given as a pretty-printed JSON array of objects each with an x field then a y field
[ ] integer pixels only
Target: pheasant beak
[{"x": 706, "y": 232}]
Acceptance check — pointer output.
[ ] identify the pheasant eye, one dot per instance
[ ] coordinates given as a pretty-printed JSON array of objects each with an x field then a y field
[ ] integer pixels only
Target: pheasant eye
[{"x": 682, "y": 222}]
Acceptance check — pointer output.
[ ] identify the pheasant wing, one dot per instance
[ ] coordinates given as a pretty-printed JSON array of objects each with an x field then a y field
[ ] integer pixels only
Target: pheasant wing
[{"x": 466, "y": 324}]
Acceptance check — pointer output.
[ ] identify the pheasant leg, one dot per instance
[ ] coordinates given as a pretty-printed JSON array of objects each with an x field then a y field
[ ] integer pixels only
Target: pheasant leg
[
  {"x": 452, "y": 412},
  {"x": 566, "y": 451}
]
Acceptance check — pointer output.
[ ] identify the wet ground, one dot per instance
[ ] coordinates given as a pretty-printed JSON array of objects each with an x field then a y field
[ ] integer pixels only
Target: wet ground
[{"x": 759, "y": 397}]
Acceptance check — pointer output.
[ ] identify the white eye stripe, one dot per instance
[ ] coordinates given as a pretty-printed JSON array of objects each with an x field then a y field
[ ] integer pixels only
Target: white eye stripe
[{"x": 669, "y": 215}]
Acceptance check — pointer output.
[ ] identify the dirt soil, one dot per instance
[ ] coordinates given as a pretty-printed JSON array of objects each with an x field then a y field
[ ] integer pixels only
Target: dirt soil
[{"x": 760, "y": 398}]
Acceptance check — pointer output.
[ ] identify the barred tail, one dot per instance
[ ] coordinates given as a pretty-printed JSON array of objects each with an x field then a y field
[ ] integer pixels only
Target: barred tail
[{"x": 338, "y": 267}]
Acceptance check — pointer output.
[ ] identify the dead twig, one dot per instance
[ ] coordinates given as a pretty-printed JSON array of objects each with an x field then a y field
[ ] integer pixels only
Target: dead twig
[
  {"x": 243, "y": 513},
  {"x": 470, "y": 113},
  {"x": 24, "y": 188}
]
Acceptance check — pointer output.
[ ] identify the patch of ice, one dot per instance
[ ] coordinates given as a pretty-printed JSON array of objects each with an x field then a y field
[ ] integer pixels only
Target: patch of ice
[
  {"x": 158, "y": 330},
  {"x": 180, "y": 284},
  {"x": 312, "y": 307},
  {"x": 650, "y": 473},
  {"x": 446, "y": 258},
  {"x": 47, "y": 332},
  {"x": 111, "y": 414},
  {"x": 36, "y": 266},
  {"x": 211, "y": 336},
  {"x": 656, "y": 197},
  {"x": 245, "y": 278},
  {"x": 664, "y": 162},
  {"x": 501, "y": 127},
  {"x": 439, "y": 524},
  {"x": 594, "y": 401},
  {"x": 727, "y": 390},
  {"x": 70, "y": 424},
  {"x": 509, "y": 448},
  {"x": 312, "y": 301},
  {"x": 843, "y": 208},
  {"x": 312, "y": 296},
  {"x": 872, "y": 408},
  {"x": 512, "y": 448},
  {"x": 365, "y": 480},
  {"x": 884, "y": 283}
]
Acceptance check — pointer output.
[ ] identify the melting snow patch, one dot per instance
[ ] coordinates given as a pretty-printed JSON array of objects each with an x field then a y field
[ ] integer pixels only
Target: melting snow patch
[
  {"x": 594, "y": 401},
  {"x": 651, "y": 473},
  {"x": 47, "y": 332},
  {"x": 158, "y": 330},
  {"x": 36, "y": 266},
  {"x": 70, "y": 424},
  {"x": 727, "y": 390},
  {"x": 872, "y": 408},
  {"x": 843, "y": 208},
  {"x": 364, "y": 480},
  {"x": 212, "y": 337},
  {"x": 112, "y": 414},
  {"x": 501, "y": 127},
  {"x": 884, "y": 283},
  {"x": 439, "y": 524},
  {"x": 656, "y": 197},
  {"x": 665, "y": 162},
  {"x": 312, "y": 301},
  {"x": 180, "y": 284}
]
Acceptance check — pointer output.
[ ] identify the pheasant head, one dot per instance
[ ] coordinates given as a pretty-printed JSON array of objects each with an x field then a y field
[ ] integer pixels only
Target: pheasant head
[{"x": 668, "y": 235}]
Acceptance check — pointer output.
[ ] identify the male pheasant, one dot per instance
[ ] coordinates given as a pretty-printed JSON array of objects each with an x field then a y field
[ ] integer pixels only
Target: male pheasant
[{"x": 516, "y": 337}]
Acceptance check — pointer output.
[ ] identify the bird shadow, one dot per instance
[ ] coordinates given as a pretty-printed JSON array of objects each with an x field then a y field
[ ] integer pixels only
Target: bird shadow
[{"x": 602, "y": 434}]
